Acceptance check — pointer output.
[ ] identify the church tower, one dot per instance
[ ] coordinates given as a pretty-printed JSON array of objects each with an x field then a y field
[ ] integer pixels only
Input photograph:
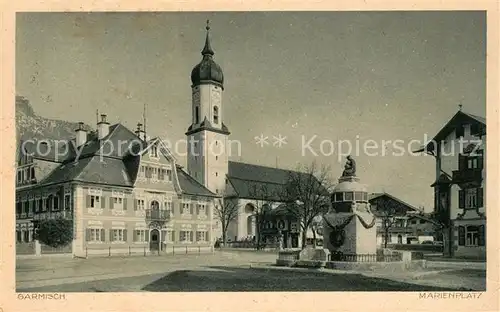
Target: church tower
[{"x": 207, "y": 159}]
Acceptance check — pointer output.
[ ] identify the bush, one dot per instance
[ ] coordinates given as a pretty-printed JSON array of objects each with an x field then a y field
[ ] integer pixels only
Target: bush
[{"x": 55, "y": 232}]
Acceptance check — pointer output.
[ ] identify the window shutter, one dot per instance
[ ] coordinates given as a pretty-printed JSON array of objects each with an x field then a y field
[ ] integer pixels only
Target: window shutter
[
  {"x": 124, "y": 203},
  {"x": 173, "y": 235},
  {"x": 111, "y": 238},
  {"x": 135, "y": 204},
  {"x": 480, "y": 160},
  {"x": 87, "y": 203},
  {"x": 462, "y": 162},
  {"x": 103, "y": 234},
  {"x": 197, "y": 209},
  {"x": 134, "y": 236},
  {"x": 87, "y": 235},
  {"x": 481, "y": 236},
  {"x": 191, "y": 208},
  {"x": 461, "y": 236},
  {"x": 206, "y": 210},
  {"x": 163, "y": 236},
  {"x": 172, "y": 207},
  {"x": 125, "y": 237},
  {"x": 191, "y": 235},
  {"x": 461, "y": 199},
  {"x": 480, "y": 197},
  {"x": 147, "y": 235},
  {"x": 111, "y": 202},
  {"x": 103, "y": 202}
]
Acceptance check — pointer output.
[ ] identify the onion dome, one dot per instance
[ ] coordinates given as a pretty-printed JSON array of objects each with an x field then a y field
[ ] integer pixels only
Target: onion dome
[{"x": 207, "y": 71}]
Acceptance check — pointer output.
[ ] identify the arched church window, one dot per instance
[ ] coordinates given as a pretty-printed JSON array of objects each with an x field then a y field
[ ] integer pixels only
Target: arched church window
[
  {"x": 216, "y": 115},
  {"x": 196, "y": 114}
]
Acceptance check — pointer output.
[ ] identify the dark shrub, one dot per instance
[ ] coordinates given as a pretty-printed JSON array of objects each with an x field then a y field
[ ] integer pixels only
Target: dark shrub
[{"x": 55, "y": 232}]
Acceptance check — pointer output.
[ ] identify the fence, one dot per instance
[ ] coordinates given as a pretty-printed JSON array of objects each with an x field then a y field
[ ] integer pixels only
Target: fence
[
  {"x": 365, "y": 257},
  {"x": 145, "y": 251},
  {"x": 59, "y": 250}
]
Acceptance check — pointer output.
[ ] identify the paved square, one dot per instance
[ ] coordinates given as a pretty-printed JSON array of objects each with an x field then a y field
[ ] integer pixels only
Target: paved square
[{"x": 222, "y": 271}]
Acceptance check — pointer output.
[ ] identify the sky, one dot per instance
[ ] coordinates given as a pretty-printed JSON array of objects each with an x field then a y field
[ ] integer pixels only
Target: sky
[{"x": 316, "y": 77}]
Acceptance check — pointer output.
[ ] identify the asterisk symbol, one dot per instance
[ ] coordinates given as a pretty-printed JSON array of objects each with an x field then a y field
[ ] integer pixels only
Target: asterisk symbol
[
  {"x": 279, "y": 140},
  {"x": 261, "y": 140}
]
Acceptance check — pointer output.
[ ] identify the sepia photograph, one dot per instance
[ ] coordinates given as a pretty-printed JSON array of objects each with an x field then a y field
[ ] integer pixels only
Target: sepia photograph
[{"x": 273, "y": 151}]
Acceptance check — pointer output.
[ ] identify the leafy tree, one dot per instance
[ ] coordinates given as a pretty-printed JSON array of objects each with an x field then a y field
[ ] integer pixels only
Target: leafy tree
[{"x": 55, "y": 232}]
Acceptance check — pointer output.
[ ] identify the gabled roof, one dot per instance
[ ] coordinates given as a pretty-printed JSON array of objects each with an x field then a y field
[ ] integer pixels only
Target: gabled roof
[
  {"x": 190, "y": 186},
  {"x": 107, "y": 171},
  {"x": 444, "y": 178},
  {"x": 459, "y": 118},
  {"x": 400, "y": 205},
  {"x": 113, "y": 160}
]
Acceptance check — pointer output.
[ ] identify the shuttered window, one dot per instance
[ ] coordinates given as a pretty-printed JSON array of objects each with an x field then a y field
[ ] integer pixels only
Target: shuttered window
[
  {"x": 480, "y": 197},
  {"x": 482, "y": 236},
  {"x": 461, "y": 236}
]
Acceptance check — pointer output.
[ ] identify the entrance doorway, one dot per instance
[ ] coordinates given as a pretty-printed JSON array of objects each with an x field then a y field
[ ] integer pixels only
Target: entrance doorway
[{"x": 154, "y": 242}]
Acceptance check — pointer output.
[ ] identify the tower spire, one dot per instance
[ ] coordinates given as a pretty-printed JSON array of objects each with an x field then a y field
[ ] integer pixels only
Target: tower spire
[{"x": 207, "y": 49}]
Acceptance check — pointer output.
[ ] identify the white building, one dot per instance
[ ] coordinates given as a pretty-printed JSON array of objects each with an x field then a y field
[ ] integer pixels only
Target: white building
[{"x": 460, "y": 150}]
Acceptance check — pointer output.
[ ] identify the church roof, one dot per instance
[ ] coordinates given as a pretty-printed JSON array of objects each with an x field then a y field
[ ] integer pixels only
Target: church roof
[{"x": 256, "y": 182}]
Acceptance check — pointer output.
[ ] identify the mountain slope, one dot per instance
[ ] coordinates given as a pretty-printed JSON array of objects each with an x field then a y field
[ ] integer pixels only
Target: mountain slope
[{"x": 29, "y": 125}]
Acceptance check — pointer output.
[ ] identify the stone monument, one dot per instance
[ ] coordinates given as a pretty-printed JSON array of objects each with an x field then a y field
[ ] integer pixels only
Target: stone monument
[{"x": 349, "y": 228}]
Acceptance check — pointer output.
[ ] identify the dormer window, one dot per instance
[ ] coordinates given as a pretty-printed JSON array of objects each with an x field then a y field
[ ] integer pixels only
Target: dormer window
[{"x": 216, "y": 115}]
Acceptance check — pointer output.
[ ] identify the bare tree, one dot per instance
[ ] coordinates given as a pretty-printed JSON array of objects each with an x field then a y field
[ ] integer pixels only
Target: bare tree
[
  {"x": 388, "y": 218},
  {"x": 226, "y": 211},
  {"x": 307, "y": 195},
  {"x": 316, "y": 227},
  {"x": 263, "y": 197}
]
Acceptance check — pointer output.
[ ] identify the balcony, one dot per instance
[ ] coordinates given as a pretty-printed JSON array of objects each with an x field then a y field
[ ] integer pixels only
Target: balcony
[
  {"x": 157, "y": 215},
  {"x": 467, "y": 175}
]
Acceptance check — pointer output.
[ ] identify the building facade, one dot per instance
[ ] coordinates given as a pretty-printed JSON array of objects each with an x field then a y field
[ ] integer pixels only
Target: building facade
[
  {"x": 459, "y": 149},
  {"x": 137, "y": 199},
  {"x": 126, "y": 192},
  {"x": 406, "y": 223}
]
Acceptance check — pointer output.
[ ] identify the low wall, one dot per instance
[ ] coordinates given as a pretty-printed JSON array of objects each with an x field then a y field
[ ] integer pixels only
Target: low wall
[
  {"x": 145, "y": 251},
  {"x": 416, "y": 247},
  {"x": 396, "y": 266}
]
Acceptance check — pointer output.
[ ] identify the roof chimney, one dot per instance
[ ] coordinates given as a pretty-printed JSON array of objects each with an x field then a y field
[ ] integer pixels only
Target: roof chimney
[
  {"x": 140, "y": 132},
  {"x": 81, "y": 135},
  {"x": 102, "y": 127}
]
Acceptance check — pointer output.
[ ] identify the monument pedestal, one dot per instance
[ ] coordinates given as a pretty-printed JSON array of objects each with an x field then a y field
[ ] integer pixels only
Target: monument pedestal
[
  {"x": 349, "y": 228},
  {"x": 358, "y": 239}
]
